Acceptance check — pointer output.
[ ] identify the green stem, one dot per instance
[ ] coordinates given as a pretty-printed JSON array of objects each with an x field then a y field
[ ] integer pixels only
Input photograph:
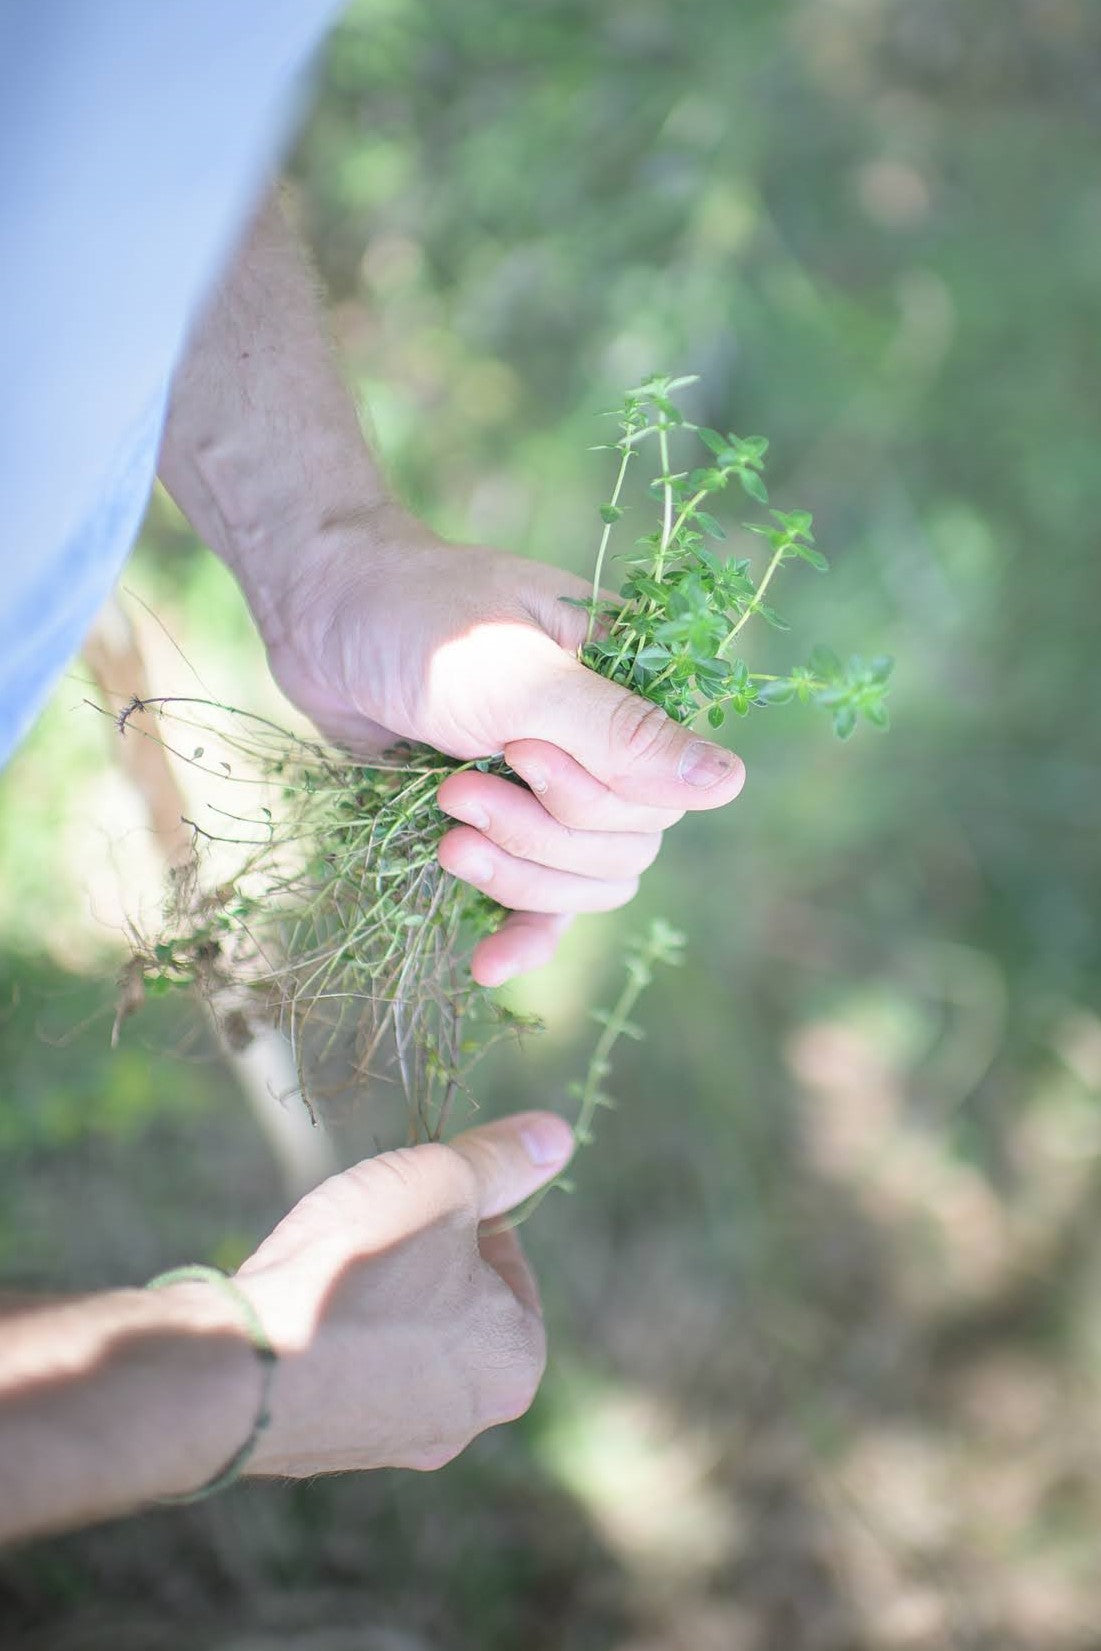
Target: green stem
[
  {"x": 628, "y": 454},
  {"x": 667, "y": 501},
  {"x": 777, "y": 558},
  {"x": 639, "y": 964},
  {"x": 673, "y": 666},
  {"x": 618, "y": 1019},
  {"x": 812, "y": 684},
  {"x": 687, "y": 511}
]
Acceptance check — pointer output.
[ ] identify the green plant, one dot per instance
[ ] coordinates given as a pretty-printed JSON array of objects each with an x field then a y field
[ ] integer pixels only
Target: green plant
[
  {"x": 338, "y": 922},
  {"x": 670, "y": 633}
]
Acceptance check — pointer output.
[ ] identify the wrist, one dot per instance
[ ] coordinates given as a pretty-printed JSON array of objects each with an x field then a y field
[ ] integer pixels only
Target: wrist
[
  {"x": 321, "y": 1379},
  {"x": 229, "y": 1295},
  {"x": 308, "y": 563}
]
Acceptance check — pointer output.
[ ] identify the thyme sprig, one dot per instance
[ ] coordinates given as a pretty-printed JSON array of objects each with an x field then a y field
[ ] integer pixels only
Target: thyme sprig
[{"x": 670, "y": 633}]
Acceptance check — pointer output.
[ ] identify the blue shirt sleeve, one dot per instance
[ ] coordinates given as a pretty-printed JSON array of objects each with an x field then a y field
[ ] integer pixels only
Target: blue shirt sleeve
[{"x": 134, "y": 139}]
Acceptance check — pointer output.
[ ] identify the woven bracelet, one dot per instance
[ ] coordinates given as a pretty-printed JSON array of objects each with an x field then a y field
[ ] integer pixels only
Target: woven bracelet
[{"x": 265, "y": 1352}]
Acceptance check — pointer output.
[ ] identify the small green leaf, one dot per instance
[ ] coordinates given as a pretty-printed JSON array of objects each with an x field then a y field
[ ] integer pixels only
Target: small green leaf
[
  {"x": 776, "y": 693},
  {"x": 753, "y": 485},
  {"x": 797, "y": 522},
  {"x": 610, "y": 513},
  {"x": 844, "y": 721},
  {"x": 716, "y": 716},
  {"x": 752, "y": 448},
  {"x": 825, "y": 664},
  {"x": 709, "y": 524},
  {"x": 667, "y": 408},
  {"x": 640, "y": 584}
]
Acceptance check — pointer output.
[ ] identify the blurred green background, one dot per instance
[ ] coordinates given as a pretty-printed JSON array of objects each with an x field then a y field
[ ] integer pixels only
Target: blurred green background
[{"x": 824, "y": 1308}]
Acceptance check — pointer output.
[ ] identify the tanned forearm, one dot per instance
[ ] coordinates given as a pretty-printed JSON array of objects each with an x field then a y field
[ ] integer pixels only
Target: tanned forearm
[
  {"x": 263, "y": 449},
  {"x": 111, "y": 1400}
]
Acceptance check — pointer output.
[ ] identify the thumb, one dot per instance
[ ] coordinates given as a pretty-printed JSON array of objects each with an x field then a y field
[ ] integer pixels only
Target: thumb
[
  {"x": 514, "y": 1157},
  {"x": 630, "y": 745}
]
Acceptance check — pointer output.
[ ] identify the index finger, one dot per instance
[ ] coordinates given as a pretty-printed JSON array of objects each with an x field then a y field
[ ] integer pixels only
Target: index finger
[{"x": 575, "y": 798}]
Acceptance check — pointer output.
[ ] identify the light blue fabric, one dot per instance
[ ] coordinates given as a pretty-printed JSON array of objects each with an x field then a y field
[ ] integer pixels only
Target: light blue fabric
[
  {"x": 134, "y": 137},
  {"x": 43, "y": 621}
]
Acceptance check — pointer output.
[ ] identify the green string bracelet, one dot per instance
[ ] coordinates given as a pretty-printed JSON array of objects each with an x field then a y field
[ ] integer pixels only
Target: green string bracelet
[{"x": 265, "y": 1352}]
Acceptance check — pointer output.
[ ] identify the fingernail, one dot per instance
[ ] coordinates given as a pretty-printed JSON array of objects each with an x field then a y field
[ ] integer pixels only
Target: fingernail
[
  {"x": 547, "y": 1141},
  {"x": 703, "y": 764}
]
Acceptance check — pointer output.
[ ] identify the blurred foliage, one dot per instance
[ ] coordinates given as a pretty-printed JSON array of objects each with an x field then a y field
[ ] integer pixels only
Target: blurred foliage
[
  {"x": 875, "y": 231},
  {"x": 840, "y": 1233}
]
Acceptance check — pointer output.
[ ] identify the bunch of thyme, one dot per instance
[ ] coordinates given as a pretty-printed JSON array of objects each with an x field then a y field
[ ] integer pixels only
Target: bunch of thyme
[{"x": 340, "y": 925}]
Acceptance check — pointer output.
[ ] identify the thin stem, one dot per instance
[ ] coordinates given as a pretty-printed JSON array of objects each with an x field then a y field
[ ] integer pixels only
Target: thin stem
[
  {"x": 687, "y": 511},
  {"x": 811, "y": 683},
  {"x": 777, "y": 558},
  {"x": 667, "y": 500},
  {"x": 628, "y": 455},
  {"x": 615, "y": 1025},
  {"x": 639, "y": 964}
]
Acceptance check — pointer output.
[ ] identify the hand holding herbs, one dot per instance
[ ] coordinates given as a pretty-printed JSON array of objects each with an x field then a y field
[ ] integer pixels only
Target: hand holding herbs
[
  {"x": 340, "y": 923},
  {"x": 392, "y": 634}
]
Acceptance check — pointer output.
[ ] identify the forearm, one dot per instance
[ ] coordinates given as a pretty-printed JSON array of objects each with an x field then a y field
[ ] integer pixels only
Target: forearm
[
  {"x": 263, "y": 449},
  {"x": 111, "y": 1400}
]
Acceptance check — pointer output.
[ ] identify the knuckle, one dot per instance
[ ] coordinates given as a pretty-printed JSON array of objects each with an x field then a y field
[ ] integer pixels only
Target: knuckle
[
  {"x": 515, "y": 840},
  {"x": 401, "y": 1165},
  {"x": 568, "y": 813},
  {"x": 459, "y": 1173},
  {"x": 528, "y": 1379},
  {"x": 639, "y": 730},
  {"x": 515, "y": 1374},
  {"x": 434, "y": 1174},
  {"x": 530, "y": 1369},
  {"x": 435, "y": 1457}
]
